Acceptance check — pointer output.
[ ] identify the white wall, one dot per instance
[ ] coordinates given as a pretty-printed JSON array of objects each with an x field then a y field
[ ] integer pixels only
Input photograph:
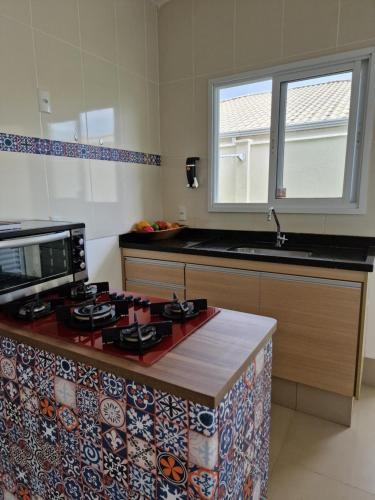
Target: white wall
[
  {"x": 101, "y": 255},
  {"x": 200, "y": 40},
  {"x": 99, "y": 61},
  {"x": 370, "y": 318}
]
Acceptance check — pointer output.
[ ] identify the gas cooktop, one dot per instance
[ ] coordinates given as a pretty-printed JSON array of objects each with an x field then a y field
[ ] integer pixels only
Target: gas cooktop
[{"x": 142, "y": 329}]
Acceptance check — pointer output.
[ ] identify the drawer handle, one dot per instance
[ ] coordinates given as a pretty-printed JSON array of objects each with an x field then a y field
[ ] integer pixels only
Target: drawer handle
[{"x": 158, "y": 284}]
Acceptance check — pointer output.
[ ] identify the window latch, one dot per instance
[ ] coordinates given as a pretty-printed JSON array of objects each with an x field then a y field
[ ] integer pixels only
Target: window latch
[{"x": 280, "y": 193}]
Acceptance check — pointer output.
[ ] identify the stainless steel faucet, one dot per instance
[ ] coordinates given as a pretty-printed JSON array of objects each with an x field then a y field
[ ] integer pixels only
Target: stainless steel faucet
[{"x": 280, "y": 238}]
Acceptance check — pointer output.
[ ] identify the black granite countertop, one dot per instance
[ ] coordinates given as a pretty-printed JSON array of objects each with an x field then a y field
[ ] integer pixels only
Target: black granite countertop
[{"x": 320, "y": 250}]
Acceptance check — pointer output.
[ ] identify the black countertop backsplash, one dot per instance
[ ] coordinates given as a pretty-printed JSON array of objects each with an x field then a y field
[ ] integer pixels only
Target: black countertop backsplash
[{"x": 319, "y": 250}]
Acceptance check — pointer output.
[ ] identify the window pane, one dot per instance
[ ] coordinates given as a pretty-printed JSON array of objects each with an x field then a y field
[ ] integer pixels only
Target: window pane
[
  {"x": 316, "y": 129},
  {"x": 244, "y": 136}
]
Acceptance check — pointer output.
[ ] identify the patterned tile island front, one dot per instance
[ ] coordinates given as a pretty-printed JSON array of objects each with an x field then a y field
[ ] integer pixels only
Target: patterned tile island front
[{"x": 69, "y": 429}]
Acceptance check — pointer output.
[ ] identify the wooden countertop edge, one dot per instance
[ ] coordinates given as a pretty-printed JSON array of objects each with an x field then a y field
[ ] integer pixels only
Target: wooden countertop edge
[
  {"x": 233, "y": 379},
  {"x": 113, "y": 364}
]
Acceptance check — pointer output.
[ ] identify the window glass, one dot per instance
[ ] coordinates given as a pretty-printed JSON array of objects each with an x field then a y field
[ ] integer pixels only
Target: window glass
[
  {"x": 244, "y": 137},
  {"x": 315, "y": 137}
]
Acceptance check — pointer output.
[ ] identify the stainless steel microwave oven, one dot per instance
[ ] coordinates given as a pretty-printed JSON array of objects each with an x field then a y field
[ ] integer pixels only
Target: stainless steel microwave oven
[{"x": 39, "y": 256}]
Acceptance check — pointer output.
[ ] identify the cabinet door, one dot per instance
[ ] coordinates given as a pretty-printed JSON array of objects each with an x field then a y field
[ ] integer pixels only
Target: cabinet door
[
  {"x": 149, "y": 289},
  {"x": 318, "y": 329},
  {"x": 223, "y": 287},
  {"x": 155, "y": 270}
]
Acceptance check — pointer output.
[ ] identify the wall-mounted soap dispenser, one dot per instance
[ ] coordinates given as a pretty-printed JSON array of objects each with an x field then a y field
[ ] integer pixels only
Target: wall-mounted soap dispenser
[{"x": 191, "y": 172}]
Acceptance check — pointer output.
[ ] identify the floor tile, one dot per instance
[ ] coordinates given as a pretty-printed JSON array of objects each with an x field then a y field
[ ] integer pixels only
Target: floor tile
[
  {"x": 291, "y": 482},
  {"x": 340, "y": 453},
  {"x": 364, "y": 410},
  {"x": 280, "y": 422}
]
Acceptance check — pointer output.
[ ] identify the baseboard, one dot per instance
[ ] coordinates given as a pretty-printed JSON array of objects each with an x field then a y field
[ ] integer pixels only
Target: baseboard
[
  {"x": 323, "y": 404},
  {"x": 284, "y": 393},
  {"x": 368, "y": 376}
]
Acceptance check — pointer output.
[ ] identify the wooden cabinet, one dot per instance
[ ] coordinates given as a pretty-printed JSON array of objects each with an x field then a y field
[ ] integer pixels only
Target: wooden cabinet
[
  {"x": 229, "y": 288},
  {"x": 155, "y": 290},
  {"x": 154, "y": 277},
  {"x": 160, "y": 271},
  {"x": 320, "y": 311},
  {"x": 316, "y": 342}
]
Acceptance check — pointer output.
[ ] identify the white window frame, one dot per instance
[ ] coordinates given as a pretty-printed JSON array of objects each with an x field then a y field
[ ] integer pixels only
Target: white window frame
[{"x": 354, "y": 200}]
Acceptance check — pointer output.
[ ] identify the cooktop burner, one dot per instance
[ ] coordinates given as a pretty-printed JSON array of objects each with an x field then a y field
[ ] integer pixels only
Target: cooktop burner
[
  {"x": 137, "y": 337},
  {"x": 96, "y": 311},
  {"x": 85, "y": 291},
  {"x": 179, "y": 310},
  {"x": 35, "y": 308},
  {"x": 92, "y": 315}
]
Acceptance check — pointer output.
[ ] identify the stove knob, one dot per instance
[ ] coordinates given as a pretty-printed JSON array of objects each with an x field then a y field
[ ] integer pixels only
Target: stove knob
[
  {"x": 80, "y": 241},
  {"x": 81, "y": 253},
  {"x": 137, "y": 300},
  {"x": 82, "y": 265},
  {"x": 145, "y": 303}
]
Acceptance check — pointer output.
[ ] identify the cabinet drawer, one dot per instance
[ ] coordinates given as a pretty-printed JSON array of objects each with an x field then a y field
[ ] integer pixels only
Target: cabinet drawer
[
  {"x": 154, "y": 289},
  {"x": 224, "y": 287},
  {"x": 155, "y": 270}
]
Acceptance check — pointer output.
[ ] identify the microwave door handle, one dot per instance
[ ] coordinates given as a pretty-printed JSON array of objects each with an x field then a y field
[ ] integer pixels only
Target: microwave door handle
[{"x": 34, "y": 240}]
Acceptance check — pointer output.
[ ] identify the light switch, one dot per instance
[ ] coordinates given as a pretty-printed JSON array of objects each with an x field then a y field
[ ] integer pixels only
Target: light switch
[{"x": 44, "y": 101}]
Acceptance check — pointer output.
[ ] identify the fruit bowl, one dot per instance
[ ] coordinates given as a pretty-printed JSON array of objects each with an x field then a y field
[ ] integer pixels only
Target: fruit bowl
[{"x": 162, "y": 234}]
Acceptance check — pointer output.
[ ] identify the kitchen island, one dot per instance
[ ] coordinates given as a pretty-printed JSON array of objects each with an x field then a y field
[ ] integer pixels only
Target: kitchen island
[{"x": 79, "y": 423}]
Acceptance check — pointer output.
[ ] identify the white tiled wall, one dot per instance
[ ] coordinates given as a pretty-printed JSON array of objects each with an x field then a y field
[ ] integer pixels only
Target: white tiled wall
[
  {"x": 99, "y": 61},
  {"x": 102, "y": 254},
  {"x": 203, "y": 39}
]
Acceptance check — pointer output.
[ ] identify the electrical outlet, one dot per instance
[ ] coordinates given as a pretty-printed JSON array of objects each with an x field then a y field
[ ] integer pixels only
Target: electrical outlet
[
  {"x": 182, "y": 213},
  {"x": 44, "y": 101}
]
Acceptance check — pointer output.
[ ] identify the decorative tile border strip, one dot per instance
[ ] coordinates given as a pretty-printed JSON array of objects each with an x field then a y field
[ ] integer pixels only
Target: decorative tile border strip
[{"x": 34, "y": 145}]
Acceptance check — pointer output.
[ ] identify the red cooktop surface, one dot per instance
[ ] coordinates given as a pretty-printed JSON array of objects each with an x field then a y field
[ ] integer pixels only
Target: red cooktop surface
[{"x": 51, "y": 328}]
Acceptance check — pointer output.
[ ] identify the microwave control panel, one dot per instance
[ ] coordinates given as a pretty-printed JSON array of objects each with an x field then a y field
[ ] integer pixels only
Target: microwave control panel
[{"x": 79, "y": 254}]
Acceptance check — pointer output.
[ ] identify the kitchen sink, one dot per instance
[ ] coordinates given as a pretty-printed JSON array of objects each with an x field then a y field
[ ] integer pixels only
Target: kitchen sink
[
  {"x": 263, "y": 248},
  {"x": 270, "y": 251}
]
